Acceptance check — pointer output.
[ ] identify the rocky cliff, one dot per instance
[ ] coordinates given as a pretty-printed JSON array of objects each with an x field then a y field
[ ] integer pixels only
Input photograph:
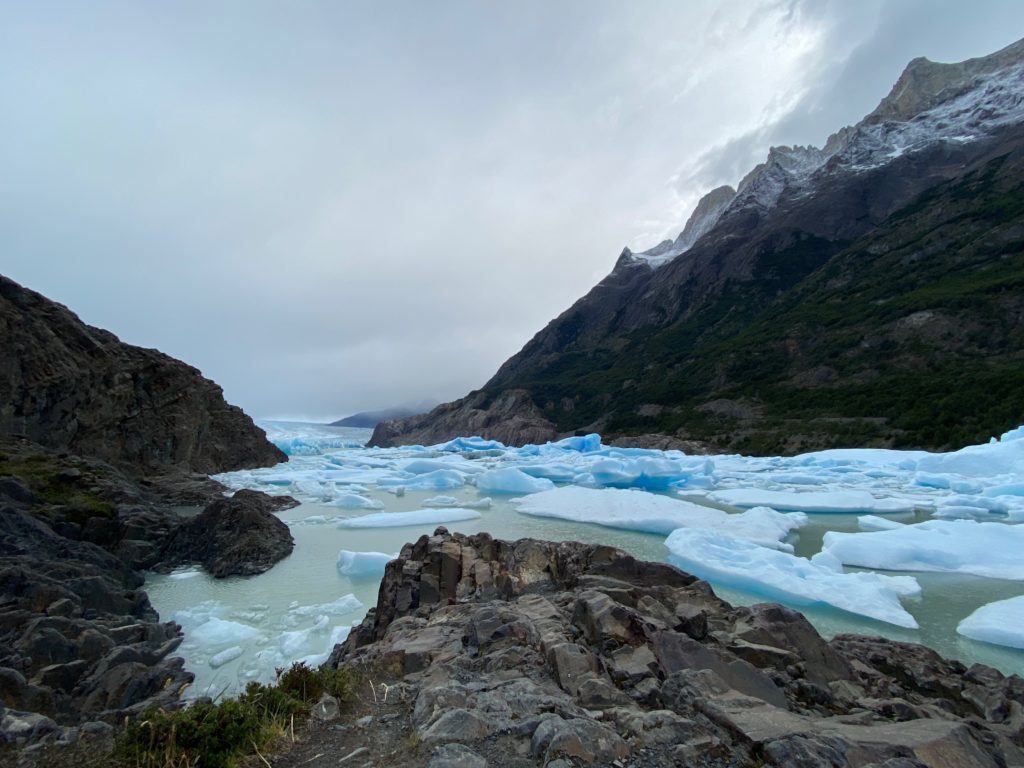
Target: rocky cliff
[
  {"x": 533, "y": 653},
  {"x": 67, "y": 385},
  {"x": 864, "y": 293}
]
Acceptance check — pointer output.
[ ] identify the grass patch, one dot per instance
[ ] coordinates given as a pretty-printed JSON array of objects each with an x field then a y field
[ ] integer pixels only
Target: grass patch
[
  {"x": 224, "y": 734},
  {"x": 42, "y": 474}
]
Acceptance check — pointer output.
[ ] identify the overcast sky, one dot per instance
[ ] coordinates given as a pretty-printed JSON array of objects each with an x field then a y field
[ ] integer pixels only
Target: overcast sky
[{"x": 331, "y": 207}]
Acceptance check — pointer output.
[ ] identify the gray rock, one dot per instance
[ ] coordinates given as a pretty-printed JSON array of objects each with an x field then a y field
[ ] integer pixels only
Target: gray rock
[
  {"x": 326, "y": 710},
  {"x": 456, "y": 725},
  {"x": 236, "y": 536},
  {"x": 455, "y": 756}
]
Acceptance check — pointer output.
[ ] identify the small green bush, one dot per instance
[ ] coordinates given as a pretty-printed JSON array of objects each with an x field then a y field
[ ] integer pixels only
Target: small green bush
[{"x": 219, "y": 735}]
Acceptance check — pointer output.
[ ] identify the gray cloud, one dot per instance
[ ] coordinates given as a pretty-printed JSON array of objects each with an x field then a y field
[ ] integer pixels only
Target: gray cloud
[{"x": 330, "y": 207}]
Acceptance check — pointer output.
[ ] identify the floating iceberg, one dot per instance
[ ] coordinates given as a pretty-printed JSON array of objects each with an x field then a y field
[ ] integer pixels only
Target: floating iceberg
[
  {"x": 649, "y": 473},
  {"x": 415, "y": 517},
  {"x": 824, "y": 502},
  {"x": 344, "y": 604},
  {"x": 436, "y": 480},
  {"x": 511, "y": 480},
  {"x": 992, "y": 550},
  {"x": 354, "y": 501},
  {"x": 460, "y": 444},
  {"x": 636, "y": 510},
  {"x": 1001, "y": 622},
  {"x": 222, "y": 658},
  {"x": 363, "y": 564},
  {"x": 442, "y": 502},
  {"x": 740, "y": 564}
]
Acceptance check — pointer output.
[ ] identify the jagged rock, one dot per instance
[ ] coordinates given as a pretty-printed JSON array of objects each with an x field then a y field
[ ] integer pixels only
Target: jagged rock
[
  {"x": 236, "y": 536},
  {"x": 67, "y": 385},
  {"x": 583, "y": 654},
  {"x": 326, "y": 709}
]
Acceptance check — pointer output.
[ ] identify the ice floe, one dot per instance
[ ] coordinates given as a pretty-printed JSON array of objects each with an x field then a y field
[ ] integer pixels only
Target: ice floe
[
  {"x": 1001, "y": 623},
  {"x": 796, "y": 580},
  {"x": 637, "y": 510},
  {"x": 413, "y": 517},
  {"x": 510, "y": 480},
  {"x": 992, "y": 550},
  {"x": 363, "y": 564},
  {"x": 816, "y": 502}
]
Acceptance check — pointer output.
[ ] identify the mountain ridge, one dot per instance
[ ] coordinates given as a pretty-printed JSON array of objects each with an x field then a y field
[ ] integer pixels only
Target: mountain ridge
[{"x": 666, "y": 335}]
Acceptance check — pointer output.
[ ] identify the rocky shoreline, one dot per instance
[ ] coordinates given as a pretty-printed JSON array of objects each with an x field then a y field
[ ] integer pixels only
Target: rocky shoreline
[
  {"x": 535, "y": 653},
  {"x": 80, "y": 645}
]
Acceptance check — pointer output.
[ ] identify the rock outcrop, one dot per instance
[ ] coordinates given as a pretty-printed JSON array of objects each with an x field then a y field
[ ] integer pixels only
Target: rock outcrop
[
  {"x": 70, "y": 386},
  {"x": 511, "y": 418},
  {"x": 528, "y": 653},
  {"x": 80, "y": 644},
  {"x": 79, "y": 640},
  {"x": 236, "y": 536}
]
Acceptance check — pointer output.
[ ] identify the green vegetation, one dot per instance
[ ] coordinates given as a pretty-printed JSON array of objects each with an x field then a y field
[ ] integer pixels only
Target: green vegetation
[
  {"x": 223, "y": 734},
  {"x": 48, "y": 478},
  {"x": 911, "y": 336}
]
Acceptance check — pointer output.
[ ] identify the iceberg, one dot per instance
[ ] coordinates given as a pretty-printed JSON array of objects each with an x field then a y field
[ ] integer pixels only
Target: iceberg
[
  {"x": 344, "y": 604},
  {"x": 740, "y": 564},
  {"x": 414, "y": 517},
  {"x": 636, "y": 510},
  {"x": 511, "y": 480},
  {"x": 817, "y": 502},
  {"x": 991, "y": 550},
  {"x": 363, "y": 564},
  {"x": 652, "y": 474},
  {"x": 225, "y": 656},
  {"x": 1001, "y": 623},
  {"x": 436, "y": 480},
  {"x": 354, "y": 501},
  {"x": 461, "y": 444}
]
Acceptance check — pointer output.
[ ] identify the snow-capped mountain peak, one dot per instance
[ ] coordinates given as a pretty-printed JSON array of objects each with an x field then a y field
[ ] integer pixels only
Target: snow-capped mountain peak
[{"x": 930, "y": 103}]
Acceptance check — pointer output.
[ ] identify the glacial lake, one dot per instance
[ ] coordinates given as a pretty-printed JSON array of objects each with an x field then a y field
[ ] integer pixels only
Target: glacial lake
[{"x": 248, "y": 626}]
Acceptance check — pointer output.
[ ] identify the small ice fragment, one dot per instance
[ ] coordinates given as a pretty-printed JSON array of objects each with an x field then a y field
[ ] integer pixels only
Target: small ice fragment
[
  {"x": 357, "y": 564},
  {"x": 414, "y": 517},
  {"x": 222, "y": 658}
]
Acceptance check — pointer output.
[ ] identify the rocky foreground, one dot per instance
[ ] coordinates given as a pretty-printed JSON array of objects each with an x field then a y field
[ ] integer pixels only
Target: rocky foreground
[
  {"x": 80, "y": 645},
  {"x": 486, "y": 652}
]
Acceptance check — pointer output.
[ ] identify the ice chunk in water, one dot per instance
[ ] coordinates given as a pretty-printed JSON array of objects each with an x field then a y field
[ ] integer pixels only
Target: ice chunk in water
[
  {"x": 354, "y": 501},
  {"x": 363, "y": 564},
  {"x": 1001, "y": 622},
  {"x": 637, "y": 510},
  {"x": 741, "y": 564},
  {"x": 437, "y": 480},
  {"x": 228, "y": 654},
  {"x": 957, "y": 546},
  {"x": 511, "y": 480},
  {"x": 443, "y": 502},
  {"x": 838, "y": 501},
  {"x": 414, "y": 517}
]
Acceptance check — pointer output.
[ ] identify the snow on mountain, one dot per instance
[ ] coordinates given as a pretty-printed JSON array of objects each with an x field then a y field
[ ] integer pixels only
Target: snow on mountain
[{"x": 930, "y": 103}]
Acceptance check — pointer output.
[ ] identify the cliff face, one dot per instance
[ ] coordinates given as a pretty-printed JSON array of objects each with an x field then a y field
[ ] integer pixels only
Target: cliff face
[
  {"x": 67, "y": 385},
  {"x": 864, "y": 293}
]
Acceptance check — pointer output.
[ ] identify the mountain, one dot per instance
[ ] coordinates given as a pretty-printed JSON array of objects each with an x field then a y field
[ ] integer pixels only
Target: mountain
[
  {"x": 865, "y": 293},
  {"x": 370, "y": 419},
  {"x": 69, "y": 386}
]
